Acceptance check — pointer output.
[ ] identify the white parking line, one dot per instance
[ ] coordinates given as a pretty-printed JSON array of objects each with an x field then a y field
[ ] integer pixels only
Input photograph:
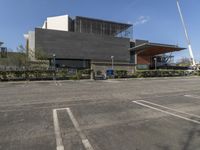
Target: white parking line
[
  {"x": 57, "y": 83},
  {"x": 193, "y": 96},
  {"x": 110, "y": 81},
  {"x": 85, "y": 141},
  {"x": 26, "y": 83},
  {"x": 166, "y": 112},
  {"x": 169, "y": 108},
  {"x": 59, "y": 141}
]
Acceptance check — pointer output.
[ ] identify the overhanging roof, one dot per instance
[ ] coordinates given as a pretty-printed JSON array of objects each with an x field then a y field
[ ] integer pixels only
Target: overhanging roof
[{"x": 152, "y": 49}]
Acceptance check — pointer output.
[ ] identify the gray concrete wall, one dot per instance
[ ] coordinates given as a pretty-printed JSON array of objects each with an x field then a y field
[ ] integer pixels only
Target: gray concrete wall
[
  {"x": 72, "y": 45},
  {"x": 31, "y": 45},
  {"x": 82, "y": 64},
  {"x": 107, "y": 65}
]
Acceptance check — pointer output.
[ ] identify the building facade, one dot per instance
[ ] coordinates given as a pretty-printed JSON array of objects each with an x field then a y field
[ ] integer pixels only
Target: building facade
[{"x": 84, "y": 43}]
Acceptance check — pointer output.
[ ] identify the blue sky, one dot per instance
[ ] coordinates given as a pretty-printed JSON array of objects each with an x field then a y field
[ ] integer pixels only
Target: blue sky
[{"x": 154, "y": 20}]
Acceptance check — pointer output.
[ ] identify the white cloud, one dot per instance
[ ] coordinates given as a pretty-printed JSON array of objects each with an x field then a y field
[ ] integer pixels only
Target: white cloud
[{"x": 141, "y": 20}]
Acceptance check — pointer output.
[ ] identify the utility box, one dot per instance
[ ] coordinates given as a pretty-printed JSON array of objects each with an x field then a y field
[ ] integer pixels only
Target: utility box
[{"x": 110, "y": 73}]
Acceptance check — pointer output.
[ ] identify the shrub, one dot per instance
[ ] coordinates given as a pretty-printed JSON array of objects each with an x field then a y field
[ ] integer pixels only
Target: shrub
[
  {"x": 161, "y": 73},
  {"x": 198, "y": 73},
  {"x": 121, "y": 73},
  {"x": 99, "y": 72},
  {"x": 73, "y": 78}
]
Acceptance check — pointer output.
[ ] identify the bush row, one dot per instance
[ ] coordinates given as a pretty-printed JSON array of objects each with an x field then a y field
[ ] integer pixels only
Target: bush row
[
  {"x": 43, "y": 75},
  {"x": 121, "y": 73},
  {"x": 163, "y": 73},
  {"x": 85, "y": 74},
  {"x": 155, "y": 73},
  {"x": 197, "y": 73}
]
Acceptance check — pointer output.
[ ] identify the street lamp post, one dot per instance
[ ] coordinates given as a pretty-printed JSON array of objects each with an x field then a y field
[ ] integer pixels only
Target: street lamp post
[
  {"x": 54, "y": 66},
  {"x": 54, "y": 61},
  {"x": 112, "y": 60},
  {"x": 155, "y": 59}
]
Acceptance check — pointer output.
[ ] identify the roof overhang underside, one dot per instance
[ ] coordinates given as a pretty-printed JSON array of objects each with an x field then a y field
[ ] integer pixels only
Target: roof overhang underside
[{"x": 151, "y": 49}]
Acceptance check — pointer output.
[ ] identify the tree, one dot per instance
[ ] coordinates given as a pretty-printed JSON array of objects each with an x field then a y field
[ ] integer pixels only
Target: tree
[
  {"x": 184, "y": 62},
  {"x": 21, "y": 56},
  {"x": 38, "y": 59},
  {"x": 21, "y": 49},
  {"x": 15, "y": 59}
]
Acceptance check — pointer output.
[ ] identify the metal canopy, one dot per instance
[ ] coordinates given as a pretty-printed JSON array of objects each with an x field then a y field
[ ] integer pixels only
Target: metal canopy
[
  {"x": 152, "y": 49},
  {"x": 101, "y": 27}
]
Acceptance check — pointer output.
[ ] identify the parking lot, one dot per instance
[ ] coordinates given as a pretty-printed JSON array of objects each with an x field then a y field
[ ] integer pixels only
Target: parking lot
[{"x": 135, "y": 114}]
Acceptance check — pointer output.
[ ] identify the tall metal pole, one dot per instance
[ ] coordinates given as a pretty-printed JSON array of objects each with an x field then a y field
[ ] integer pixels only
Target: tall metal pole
[
  {"x": 54, "y": 61},
  {"x": 155, "y": 59},
  {"x": 112, "y": 58},
  {"x": 54, "y": 66},
  {"x": 186, "y": 34}
]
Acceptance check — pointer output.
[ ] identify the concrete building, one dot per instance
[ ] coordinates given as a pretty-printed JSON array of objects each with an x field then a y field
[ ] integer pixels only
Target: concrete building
[{"x": 83, "y": 43}]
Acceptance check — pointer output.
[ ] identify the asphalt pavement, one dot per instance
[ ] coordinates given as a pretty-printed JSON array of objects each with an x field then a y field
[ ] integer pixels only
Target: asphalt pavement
[{"x": 134, "y": 114}]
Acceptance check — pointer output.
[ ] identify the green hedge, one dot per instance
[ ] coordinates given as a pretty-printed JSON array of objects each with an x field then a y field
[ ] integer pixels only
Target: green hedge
[
  {"x": 43, "y": 75},
  {"x": 121, "y": 73},
  {"x": 198, "y": 73},
  {"x": 85, "y": 74},
  {"x": 24, "y": 75},
  {"x": 162, "y": 73},
  {"x": 154, "y": 73}
]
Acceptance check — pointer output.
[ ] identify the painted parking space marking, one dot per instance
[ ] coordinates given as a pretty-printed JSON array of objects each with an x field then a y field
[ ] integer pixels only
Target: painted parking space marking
[
  {"x": 139, "y": 102},
  {"x": 26, "y": 84},
  {"x": 111, "y": 81},
  {"x": 193, "y": 115},
  {"x": 59, "y": 142},
  {"x": 85, "y": 141},
  {"x": 193, "y": 96},
  {"x": 57, "y": 83}
]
